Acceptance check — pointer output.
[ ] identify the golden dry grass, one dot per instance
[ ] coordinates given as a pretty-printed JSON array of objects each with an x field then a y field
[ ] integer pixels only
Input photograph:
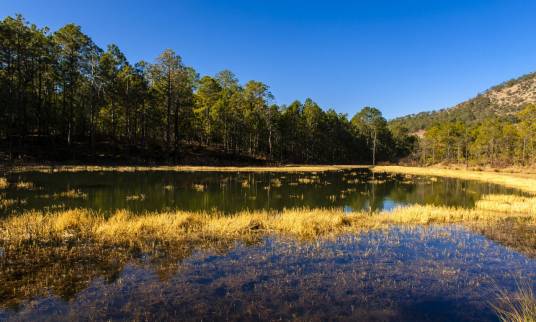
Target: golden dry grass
[
  {"x": 199, "y": 187},
  {"x": 276, "y": 183},
  {"x": 517, "y": 307},
  {"x": 24, "y": 185},
  {"x": 527, "y": 184},
  {"x": 136, "y": 197},
  {"x": 124, "y": 227},
  {"x": 3, "y": 183},
  {"x": 6, "y": 203},
  {"x": 72, "y": 193}
]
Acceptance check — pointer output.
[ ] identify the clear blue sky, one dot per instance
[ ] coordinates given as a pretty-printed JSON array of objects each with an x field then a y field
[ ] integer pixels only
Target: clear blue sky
[{"x": 401, "y": 56}]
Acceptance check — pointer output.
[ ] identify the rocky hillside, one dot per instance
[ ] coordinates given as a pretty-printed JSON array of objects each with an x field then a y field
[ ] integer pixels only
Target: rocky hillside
[{"x": 503, "y": 100}]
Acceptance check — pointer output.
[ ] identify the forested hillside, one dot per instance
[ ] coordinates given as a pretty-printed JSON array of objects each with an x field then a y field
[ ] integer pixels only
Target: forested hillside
[
  {"x": 62, "y": 97},
  {"x": 495, "y": 128}
]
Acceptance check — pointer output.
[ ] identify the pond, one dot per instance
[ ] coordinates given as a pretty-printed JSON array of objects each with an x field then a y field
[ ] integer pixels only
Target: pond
[
  {"x": 352, "y": 190},
  {"x": 417, "y": 273}
]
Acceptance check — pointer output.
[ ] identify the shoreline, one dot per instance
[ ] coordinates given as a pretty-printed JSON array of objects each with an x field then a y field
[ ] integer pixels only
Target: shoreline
[
  {"x": 523, "y": 183},
  {"x": 183, "y": 168}
]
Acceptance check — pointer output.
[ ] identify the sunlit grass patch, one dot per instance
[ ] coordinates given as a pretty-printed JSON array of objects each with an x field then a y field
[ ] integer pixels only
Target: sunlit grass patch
[
  {"x": 508, "y": 203},
  {"x": 376, "y": 181},
  {"x": 298, "y": 222},
  {"x": 276, "y": 183},
  {"x": 72, "y": 193},
  {"x": 24, "y": 185},
  {"x": 136, "y": 197},
  {"x": 3, "y": 183},
  {"x": 522, "y": 183},
  {"x": 308, "y": 180},
  {"x": 517, "y": 307},
  {"x": 199, "y": 187},
  {"x": 6, "y": 203}
]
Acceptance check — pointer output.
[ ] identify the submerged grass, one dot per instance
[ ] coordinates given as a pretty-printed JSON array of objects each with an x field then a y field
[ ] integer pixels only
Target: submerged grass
[
  {"x": 124, "y": 227},
  {"x": 527, "y": 184}
]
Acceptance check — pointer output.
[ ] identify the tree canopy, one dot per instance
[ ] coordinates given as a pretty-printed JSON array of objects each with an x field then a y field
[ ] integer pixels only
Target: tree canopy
[{"x": 62, "y": 91}]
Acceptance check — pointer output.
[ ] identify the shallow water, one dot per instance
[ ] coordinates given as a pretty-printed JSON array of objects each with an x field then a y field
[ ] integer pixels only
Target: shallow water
[
  {"x": 231, "y": 192},
  {"x": 448, "y": 273},
  {"x": 417, "y": 274}
]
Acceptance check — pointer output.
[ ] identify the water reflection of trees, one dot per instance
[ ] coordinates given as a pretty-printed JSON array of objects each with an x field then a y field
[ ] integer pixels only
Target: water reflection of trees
[
  {"x": 108, "y": 191},
  {"x": 65, "y": 271}
]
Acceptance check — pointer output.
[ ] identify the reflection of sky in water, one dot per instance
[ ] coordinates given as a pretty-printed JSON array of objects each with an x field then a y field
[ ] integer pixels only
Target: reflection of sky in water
[
  {"x": 387, "y": 205},
  {"x": 400, "y": 275}
]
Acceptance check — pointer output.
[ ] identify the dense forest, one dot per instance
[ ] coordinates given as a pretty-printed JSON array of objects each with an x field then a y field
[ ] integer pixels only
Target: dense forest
[{"x": 62, "y": 97}]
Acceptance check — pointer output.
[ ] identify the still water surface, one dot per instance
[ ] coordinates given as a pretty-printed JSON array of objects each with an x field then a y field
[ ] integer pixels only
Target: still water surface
[
  {"x": 232, "y": 192},
  {"x": 418, "y": 274},
  {"x": 448, "y": 273}
]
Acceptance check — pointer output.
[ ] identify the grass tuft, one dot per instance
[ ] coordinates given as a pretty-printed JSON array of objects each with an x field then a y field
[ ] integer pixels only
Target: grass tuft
[
  {"x": 24, "y": 185},
  {"x": 3, "y": 183},
  {"x": 517, "y": 307},
  {"x": 199, "y": 187}
]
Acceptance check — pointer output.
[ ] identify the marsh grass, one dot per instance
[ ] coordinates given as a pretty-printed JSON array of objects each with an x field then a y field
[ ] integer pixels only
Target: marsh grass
[
  {"x": 199, "y": 187},
  {"x": 24, "y": 185},
  {"x": 508, "y": 203},
  {"x": 136, "y": 197},
  {"x": 308, "y": 180},
  {"x": 124, "y": 227},
  {"x": 6, "y": 203},
  {"x": 3, "y": 183},
  {"x": 517, "y": 307},
  {"x": 72, "y": 194},
  {"x": 527, "y": 184},
  {"x": 276, "y": 183}
]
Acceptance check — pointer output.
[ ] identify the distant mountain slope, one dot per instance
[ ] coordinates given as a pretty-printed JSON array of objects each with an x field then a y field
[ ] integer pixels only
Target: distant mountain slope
[{"x": 502, "y": 100}]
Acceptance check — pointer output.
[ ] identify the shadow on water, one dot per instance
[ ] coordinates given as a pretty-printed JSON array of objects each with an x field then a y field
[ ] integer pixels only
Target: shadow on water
[
  {"x": 232, "y": 192},
  {"x": 413, "y": 274}
]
